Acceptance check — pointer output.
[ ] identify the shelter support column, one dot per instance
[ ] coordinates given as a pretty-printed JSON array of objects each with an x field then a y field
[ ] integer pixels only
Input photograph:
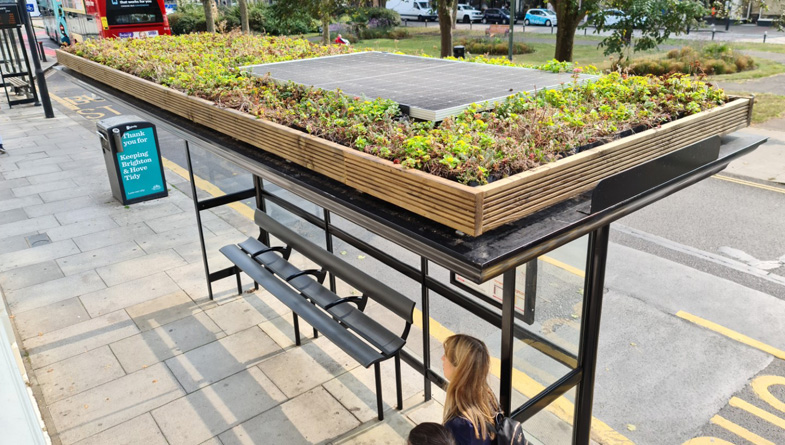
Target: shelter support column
[
  {"x": 508, "y": 325},
  {"x": 590, "y": 332}
]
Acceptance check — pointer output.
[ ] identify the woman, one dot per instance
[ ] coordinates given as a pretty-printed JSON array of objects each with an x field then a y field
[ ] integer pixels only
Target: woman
[{"x": 470, "y": 406}]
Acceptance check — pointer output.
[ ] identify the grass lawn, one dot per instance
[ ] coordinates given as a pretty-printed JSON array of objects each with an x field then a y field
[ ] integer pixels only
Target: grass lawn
[
  {"x": 765, "y": 68},
  {"x": 767, "y": 106}
]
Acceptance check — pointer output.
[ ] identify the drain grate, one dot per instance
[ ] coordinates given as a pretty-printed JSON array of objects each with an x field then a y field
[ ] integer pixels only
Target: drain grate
[{"x": 38, "y": 240}]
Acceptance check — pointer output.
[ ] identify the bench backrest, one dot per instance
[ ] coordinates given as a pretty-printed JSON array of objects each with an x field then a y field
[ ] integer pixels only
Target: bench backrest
[{"x": 375, "y": 289}]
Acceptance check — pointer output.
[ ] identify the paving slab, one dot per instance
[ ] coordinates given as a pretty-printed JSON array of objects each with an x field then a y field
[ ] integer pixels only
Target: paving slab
[
  {"x": 81, "y": 228},
  {"x": 77, "y": 176},
  {"x": 18, "y": 203},
  {"x": 304, "y": 368},
  {"x": 235, "y": 316},
  {"x": 312, "y": 417},
  {"x": 33, "y": 255},
  {"x": 8, "y": 184},
  {"x": 28, "y": 190},
  {"x": 42, "y": 160},
  {"x": 83, "y": 214},
  {"x": 146, "y": 210},
  {"x": 14, "y": 243},
  {"x": 162, "y": 310},
  {"x": 113, "y": 403},
  {"x": 191, "y": 279},
  {"x": 99, "y": 257},
  {"x": 32, "y": 171},
  {"x": 39, "y": 224},
  {"x": 356, "y": 389},
  {"x": 214, "y": 409},
  {"x": 140, "y": 267},
  {"x": 170, "y": 239},
  {"x": 12, "y": 215},
  {"x": 169, "y": 340},
  {"x": 52, "y": 291},
  {"x": 51, "y": 207},
  {"x": 79, "y": 338},
  {"x": 77, "y": 374},
  {"x": 394, "y": 430},
  {"x": 61, "y": 195},
  {"x": 140, "y": 430},
  {"x": 206, "y": 365},
  {"x": 128, "y": 293},
  {"x": 112, "y": 237},
  {"x": 22, "y": 277},
  {"x": 50, "y": 318}
]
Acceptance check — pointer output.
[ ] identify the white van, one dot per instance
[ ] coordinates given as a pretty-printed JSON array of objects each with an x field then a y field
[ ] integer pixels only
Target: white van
[{"x": 419, "y": 10}]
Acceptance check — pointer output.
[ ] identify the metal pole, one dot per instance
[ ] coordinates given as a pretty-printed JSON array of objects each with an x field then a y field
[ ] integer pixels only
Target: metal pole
[
  {"x": 508, "y": 324},
  {"x": 198, "y": 220},
  {"x": 512, "y": 28},
  {"x": 426, "y": 327},
  {"x": 590, "y": 333},
  {"x": 39, "y": 73}
]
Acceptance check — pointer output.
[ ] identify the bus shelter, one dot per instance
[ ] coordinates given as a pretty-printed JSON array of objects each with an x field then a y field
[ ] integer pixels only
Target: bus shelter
[{"x": 494, "y": 279}]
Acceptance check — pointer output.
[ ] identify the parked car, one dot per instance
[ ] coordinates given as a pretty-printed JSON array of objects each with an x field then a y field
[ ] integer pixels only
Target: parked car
[
  {"x": 419, "y": 10},
  {"x": 612, "y": 17},
  {"x": 467, "y": 14},
  {"x": 497, "y": 15},
  {"x": 540, "y": 17}
]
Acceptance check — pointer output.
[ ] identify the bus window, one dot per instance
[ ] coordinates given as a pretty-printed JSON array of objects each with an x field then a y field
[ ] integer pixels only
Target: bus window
[{"x": 133, "y": 12}]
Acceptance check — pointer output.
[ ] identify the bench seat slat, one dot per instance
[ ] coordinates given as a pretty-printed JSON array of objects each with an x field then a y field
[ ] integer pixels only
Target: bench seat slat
[
  {"x": 355, "y": 319},
  {"x": 347, "y": 341}
]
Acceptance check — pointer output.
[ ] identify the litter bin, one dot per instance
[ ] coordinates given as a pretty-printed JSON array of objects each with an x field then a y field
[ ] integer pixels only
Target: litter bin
[
  {"x": 459, "y": 51},
  {"x": 133, "y": 161}
]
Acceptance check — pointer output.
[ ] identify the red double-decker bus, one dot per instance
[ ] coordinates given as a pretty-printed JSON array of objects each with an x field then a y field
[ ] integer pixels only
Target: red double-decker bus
[{"x": 69, "y": 21}]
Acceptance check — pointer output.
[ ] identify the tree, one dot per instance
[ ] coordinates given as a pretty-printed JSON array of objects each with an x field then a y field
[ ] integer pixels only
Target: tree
[
  {"x": 209, "y": 17},
  {"x": 569, "y": 14},
  {"x": 243, "y": 6},
  {"x": 655, "y": 19},
  {"x": 321, "y": 10},
  {"x": 444, "y": 9}
]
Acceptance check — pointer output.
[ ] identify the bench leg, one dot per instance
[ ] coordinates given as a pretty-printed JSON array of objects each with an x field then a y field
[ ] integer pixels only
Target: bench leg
[
  {"x": 377, "y": 370},
  {"x": 296, "y": 329},
  {"x": 255, "y": 285},
  {"x": 315, "y": 332},
  {"x": 239, "y": 284},
  {"x": 399, "y": 391}
]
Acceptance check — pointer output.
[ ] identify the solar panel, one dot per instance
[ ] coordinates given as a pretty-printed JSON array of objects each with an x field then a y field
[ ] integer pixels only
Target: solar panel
[{"x": 425, "y": 88}]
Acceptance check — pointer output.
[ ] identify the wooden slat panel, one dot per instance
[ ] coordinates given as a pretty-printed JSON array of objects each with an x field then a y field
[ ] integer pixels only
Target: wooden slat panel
[{"x": 472, "y": 210}]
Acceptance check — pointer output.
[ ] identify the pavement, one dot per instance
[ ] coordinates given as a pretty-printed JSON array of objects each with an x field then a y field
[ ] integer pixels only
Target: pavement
[{"x": 107, "y": 327}]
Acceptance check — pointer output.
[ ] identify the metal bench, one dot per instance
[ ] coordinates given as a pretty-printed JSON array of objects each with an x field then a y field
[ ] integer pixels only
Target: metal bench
[
  {"x": 497, "y": 29},
  {"x": 20, "y": 86},
  {"x": 342, "y": 320}
]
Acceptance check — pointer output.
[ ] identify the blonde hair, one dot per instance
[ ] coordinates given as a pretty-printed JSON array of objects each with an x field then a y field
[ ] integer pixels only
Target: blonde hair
[{"x": 468, "y": 394}]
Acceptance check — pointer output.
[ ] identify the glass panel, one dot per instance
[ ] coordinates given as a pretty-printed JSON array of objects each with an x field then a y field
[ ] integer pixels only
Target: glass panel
[{"x": 553, "y": 424}]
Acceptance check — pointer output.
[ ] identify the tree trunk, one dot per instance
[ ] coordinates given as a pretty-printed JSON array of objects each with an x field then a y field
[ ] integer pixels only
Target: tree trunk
[
  {"x": 325, "y": 29},
  {"x": 454, "y": 16},
  {"x": 445, "y": 26},
  {"x": 244, "y": 16},
  {"x": 208, "y": 15},
  {"x": 569, "y": 19}
]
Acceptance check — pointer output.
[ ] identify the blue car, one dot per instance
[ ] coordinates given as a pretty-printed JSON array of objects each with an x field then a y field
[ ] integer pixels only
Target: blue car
[{"x": 544, "y": 17}]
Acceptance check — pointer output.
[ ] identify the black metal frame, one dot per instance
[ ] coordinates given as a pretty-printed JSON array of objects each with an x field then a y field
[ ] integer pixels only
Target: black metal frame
[
  {"x": 10, "y": 47},
  {"x": 516, "y": 244}
]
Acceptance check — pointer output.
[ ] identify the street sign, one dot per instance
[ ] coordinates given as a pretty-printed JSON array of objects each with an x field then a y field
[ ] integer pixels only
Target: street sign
[
  {"x": 9, "y": 16},
  {"x": 133, "y": 160}
]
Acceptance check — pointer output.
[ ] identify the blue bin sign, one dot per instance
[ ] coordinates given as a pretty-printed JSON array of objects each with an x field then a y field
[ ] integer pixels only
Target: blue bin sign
[{"x": 133, "y": 161}]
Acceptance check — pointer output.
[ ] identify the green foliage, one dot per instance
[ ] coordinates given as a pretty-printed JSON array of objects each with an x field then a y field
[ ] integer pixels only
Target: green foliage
[
  {"x": 261, "y": 17},
  {"x": 711, "y": 59},
  {"x": 495, "y": 46},
  {"x": 656, "y": 20},
  {"x": 475, "y": 147}
]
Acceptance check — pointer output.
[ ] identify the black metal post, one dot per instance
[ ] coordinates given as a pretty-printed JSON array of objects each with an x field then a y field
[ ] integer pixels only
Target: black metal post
[
  {"x": 530, "y": 297},
  {"x": 39, "y": 73},
  {"x": 198, "y": 220},
  {"x": 426, "y": 326},
  {"x": 508, "y": 323},
  {"x": 590, "y": 333}
]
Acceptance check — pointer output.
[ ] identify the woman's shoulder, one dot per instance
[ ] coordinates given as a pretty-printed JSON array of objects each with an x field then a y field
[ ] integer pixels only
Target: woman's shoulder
[{"x": 462, "y": 430}]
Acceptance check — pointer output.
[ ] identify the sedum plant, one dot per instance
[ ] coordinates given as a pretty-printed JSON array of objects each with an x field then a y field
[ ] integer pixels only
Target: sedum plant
[{"x": 475, "y": 147}]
